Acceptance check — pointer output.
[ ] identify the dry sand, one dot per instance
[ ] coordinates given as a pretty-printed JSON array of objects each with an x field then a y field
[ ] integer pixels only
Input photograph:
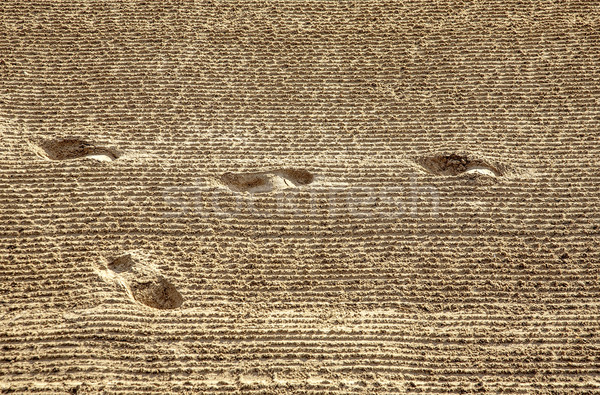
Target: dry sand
[{"x": 214, "y": 196}]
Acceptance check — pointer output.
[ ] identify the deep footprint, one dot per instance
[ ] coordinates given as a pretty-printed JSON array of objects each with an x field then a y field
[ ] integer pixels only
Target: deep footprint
[
  {"x": 158, "y": 293},
  {"x": 455, "y": 164},
  {"x": 262, "y": 182},
  {"x": 72, "y": 148},
  {"x": 145, "y": 284}
]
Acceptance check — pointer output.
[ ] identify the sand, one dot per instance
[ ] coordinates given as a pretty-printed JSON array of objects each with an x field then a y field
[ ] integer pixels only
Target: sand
[{"x": 299, "y": 197}]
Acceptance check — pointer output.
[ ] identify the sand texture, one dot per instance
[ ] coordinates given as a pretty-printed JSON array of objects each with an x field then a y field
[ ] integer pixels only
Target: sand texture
[{"x": 300, "y": 197}]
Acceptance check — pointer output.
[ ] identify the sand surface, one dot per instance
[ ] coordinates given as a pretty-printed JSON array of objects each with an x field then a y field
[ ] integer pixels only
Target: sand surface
[{"x": 383, "y": 197}]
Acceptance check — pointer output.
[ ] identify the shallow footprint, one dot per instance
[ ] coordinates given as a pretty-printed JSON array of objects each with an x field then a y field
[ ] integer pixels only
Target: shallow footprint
[
  {"x": 262, "y": 182},
  {"x": 143, "y": 282},
  {"x": 73, "y": 148},
  {"x": 455, "y": 164}
]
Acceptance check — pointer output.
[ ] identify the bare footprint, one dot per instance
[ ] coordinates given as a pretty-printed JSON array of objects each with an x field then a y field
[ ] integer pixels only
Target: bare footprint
[
  {"x": 262, "y": 182},
  {"x": 455, "y": 164},
  {"x": 142, "y": 281},
  {"x": 73, "y": 148}
]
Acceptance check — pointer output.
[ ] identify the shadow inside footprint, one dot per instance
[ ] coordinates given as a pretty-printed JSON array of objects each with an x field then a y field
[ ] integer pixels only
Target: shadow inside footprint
[
  {"x": 297, "y": 176},
  {"x": 158, "y": 293},
  {"x": 121, "y": 264}
]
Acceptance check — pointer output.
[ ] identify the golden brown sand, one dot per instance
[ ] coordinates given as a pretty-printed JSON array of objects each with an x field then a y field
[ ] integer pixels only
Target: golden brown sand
[{"x": 309, "y": 197}]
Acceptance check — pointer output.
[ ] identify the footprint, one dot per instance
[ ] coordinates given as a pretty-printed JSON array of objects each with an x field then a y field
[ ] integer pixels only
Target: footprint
[
  {"x": 73, "y": 148},
  {"x": 455, "y": 164},
  {"x": 121, "y": 264},
  {"x": 262, "y": 182},
  {"x": 142, "y": 281}
]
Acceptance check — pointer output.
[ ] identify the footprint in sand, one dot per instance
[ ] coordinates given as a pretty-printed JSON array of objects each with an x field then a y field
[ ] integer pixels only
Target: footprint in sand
[
  {"x": 268, "y": 181},
  {"x": 142, "y": 281},
  {"x": 450, "y": 164},
  {"x": 73, "y": 148}
]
